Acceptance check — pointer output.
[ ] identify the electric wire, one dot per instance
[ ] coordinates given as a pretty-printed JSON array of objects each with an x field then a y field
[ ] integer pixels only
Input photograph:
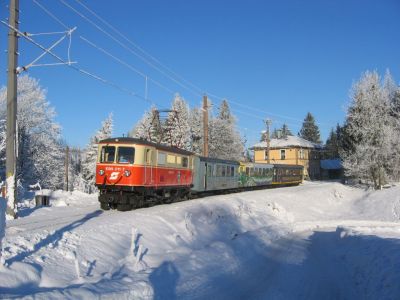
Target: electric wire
[
  {"x": 137, "y": 47},
  {"x": 128, "y": 48},
  {"x": 80, "y": 2},
  {"x": 80, "y": 70},
  {"x": 104, "y": 51}
]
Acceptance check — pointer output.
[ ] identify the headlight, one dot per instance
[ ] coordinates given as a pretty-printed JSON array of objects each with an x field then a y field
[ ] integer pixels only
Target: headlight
[
  {"x": 101, "y": 172},
  {"x": 127, "y": 173}
]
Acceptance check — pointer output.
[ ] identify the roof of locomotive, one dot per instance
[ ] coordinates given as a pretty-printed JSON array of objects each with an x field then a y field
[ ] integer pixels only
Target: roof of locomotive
[{"x": 130, "y": 140}]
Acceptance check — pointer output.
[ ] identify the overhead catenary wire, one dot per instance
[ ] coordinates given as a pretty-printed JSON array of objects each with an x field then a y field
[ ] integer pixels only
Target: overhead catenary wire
[
  {"x": 129, "y": 66},
  {"x": 107, "y": 53},
  {"x": 144, "y": 53},
  {"x": 146, "y": 77},
  {"x": 80, "y": 2},
  {"x": 80, "y": 70},
  {"x": 128, "y": 48},
  {"x": 200, "y": 90}
]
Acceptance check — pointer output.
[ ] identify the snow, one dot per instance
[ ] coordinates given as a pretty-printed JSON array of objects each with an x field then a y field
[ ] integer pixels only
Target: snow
[
  {"x": 288, "y": 141},
  {"x": 320, "y": 240}
]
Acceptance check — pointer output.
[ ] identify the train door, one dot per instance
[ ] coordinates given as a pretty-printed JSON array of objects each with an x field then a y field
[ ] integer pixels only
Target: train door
[{"x": 148, "y": 167}]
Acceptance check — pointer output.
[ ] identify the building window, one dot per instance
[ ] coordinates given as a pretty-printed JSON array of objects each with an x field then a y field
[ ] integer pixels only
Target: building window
[
  {"x": 283, "y": 154},
  {"x": 266, "y": 154},
  {"x": 301, "y": 154}
]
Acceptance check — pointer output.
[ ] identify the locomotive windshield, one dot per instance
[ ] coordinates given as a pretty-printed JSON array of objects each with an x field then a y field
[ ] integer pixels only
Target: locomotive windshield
[
  {"x": 126, "y": 155},
  {"x": 107, "y": 154},
  {"x": 123, "y": 155}
]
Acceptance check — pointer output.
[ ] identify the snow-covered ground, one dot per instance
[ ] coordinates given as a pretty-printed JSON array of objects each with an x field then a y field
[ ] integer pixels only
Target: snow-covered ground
[{"x": 315, "y": 241}]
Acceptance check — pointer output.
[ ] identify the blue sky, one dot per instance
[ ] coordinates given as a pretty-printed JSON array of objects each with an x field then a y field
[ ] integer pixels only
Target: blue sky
[{"x": 272, "y": 59}]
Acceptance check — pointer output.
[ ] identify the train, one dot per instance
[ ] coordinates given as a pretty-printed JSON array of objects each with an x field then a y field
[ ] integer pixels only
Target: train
[{"x": 133, "y": 173}]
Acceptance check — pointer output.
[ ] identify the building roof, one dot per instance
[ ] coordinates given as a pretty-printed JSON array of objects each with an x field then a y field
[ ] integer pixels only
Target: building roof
[
  {"x": 289, "y": 141},
  {"x": 331, "y": 164}
]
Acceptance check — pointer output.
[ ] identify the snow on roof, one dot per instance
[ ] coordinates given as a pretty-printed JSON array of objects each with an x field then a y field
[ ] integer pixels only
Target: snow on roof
[
  {"x": 331, "y": 164},
  {"x": 289, "y": 141}
]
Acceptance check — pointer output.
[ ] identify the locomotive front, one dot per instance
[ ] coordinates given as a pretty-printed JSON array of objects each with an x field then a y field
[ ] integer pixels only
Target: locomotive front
[{"x": 116, "y": 165}]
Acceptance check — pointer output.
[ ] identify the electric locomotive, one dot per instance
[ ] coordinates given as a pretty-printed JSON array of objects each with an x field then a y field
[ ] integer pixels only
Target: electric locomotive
[{"x": 133, "y": 173}]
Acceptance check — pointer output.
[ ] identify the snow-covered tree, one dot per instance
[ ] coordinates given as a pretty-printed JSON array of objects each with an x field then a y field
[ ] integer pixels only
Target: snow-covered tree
[
  {"x": 86, "y": 182},
  {"x": 370, "y": 129},
  {"x": 196, "y": 130},
  {"x": 177, "y": 128},
  {"x": 310, "y": 131},
  {"x": 392, "y": 92},
  {"x": 281, "y": 133},
  {"x": 40, "y": 154},
  {"x": 286, "y": 131},
  {"x": 148, "y": 128},
  {"x": 224, "y": 140}
]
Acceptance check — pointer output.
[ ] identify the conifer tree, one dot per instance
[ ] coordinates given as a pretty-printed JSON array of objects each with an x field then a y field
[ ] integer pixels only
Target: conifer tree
[
  {"x": 40, "y": 152},
  {"x": 177, "y": 129},
  {"x": 196, "y": 130},
  {"x": 90, "y": 156},
  {"x": 148, "y": 127},
  {"x": 370, "y": 131},
  {"x": 310, "y": 130},
  {"x": 332, "y": 143},
  {"x": 224, "y": 140},
  {"x": 285, "y": 131}
]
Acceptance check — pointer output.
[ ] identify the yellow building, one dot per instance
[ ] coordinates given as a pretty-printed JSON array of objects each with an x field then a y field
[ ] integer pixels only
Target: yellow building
[{"x": 292, "y": 150}]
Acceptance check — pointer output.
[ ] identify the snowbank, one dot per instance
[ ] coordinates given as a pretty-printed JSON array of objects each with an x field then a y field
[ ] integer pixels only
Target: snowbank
[{"x": 271, "y": 243}]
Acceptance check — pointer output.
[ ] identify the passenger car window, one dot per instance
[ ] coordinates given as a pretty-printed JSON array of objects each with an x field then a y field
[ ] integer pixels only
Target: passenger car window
[
  {"x": 171, "y": 159},
  {"x": 161, "y": 158},
  {"x": 126, "y": 155},
  {"x": 184, "y": 162},
  {"x": 107, "y": 154}
]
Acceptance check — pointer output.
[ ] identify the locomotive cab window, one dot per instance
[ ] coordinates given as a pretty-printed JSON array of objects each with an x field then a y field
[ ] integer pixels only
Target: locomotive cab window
[
  {"x": 107, "y": 154},
  {"x": 126, "y": 155}
]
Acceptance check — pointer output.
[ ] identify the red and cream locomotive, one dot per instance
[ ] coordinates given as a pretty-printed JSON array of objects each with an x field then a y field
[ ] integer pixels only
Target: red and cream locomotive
[{"x": 131, "y": 173}]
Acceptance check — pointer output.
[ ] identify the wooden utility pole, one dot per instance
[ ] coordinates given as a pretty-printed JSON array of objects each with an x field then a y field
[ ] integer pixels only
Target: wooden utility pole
[
  {"x": 66, "y": 167},
  {"x": 268, "y": 122},
  {"x": 11, "y": 139},
  {"x": 205, "y": 126}
]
